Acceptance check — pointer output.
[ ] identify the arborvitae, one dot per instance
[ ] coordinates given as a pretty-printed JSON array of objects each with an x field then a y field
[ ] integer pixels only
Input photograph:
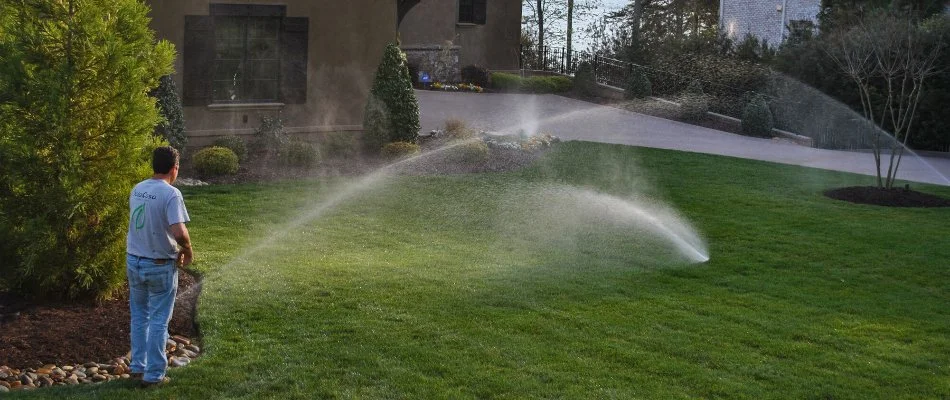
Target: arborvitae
[
  {"x": 757, "y": 118},
  {"x": 392, "y": 111},
  {"x": 76, "y": 133}
]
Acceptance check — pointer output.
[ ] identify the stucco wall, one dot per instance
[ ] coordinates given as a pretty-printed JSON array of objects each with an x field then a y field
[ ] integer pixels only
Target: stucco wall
[
  {"x": 764, "y": 19},
  {"x": 494, "y": 45},
  {"x": 345, "y": 44}
]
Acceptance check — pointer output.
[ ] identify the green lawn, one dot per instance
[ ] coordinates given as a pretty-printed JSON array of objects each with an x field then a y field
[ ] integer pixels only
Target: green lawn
[{"x": 461, "y": 287}]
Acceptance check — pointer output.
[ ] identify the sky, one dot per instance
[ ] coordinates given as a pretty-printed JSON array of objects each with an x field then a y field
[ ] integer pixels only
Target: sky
[{"x": 581, "y": 43}]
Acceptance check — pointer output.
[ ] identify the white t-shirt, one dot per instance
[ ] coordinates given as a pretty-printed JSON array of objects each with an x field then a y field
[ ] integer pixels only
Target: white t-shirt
[{"x": 154, "y": 207}]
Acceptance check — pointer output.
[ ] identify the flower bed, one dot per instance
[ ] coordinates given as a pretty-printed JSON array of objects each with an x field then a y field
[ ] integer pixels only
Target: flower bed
[{"x": 461, "y": 87}]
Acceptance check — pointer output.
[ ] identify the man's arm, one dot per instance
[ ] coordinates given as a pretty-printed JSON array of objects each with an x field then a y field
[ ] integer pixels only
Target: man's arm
[{"x": 180, "y": 233}]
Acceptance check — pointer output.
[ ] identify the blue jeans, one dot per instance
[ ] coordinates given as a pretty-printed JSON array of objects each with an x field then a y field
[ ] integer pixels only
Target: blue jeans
[{"x": 152, "y": 290}]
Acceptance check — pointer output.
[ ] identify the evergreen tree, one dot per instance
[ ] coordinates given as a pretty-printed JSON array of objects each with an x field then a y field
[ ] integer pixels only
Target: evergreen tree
[
  {"x": 76, "y": 126},
  {"x": 392, "y": 111}
]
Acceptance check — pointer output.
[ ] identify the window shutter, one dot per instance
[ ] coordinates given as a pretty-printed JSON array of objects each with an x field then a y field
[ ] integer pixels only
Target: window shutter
[
  {"x": 293, "y": 60},
  {"x": 479, "y": 9},
  {"x": 198, "y": 60}
]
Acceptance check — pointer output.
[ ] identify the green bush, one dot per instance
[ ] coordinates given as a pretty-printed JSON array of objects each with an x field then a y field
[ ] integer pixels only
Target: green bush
[
  {"x": 638, "y": 85},
  {"x": 505, "y": 82},
  {"x": 477, "y": 75},
  {"x": 469, "y": 152},
  {"x": 235, "y": 143},
  {"x": 695, "y": 87},
  {"x": 458, "y": 129},
  {"x": 215, "y": 161},
  {"x": 76, "y": 133},
  {"x": 400, "y": 149},
  {"x": 534, "y": 84},
  {"x": 693, "y": 107},
  {"x": 392, "y": 111},
  {"x": 269, "y": 137},
  {"x": 584, "y": 81},
  {"x": 340, "y": 144},
  {"x": 172, "y": 126},
  {"x": 757, "y": 119},
  {"x": 298, "y": 153}
]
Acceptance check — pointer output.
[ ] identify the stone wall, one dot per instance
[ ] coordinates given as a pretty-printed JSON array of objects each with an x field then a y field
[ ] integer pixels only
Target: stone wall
[{"x": 441, "y": 62}]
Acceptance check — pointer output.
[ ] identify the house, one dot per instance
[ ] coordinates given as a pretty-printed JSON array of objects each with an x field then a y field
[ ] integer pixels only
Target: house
[
  {"x": 767, "y": 20},
  {"x": 311, "y": 61},
  {"x": 442, "y": 36}
]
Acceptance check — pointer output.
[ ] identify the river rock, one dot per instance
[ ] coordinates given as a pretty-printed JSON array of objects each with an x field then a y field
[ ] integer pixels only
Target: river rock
[
  {"x": 44, "y": 371},
  {"x": 181, "y": 339},
  {"x": 125, "y": 376},
  {"x": 58, "y": 372},
  {"x": 4, "y": 389},
  {"x": 4, "y": 374},
  {"x": 179, "y": 361},
  {"x": 5, "y": 384},
  {"x": 80, "y": 374},
  {"x": 45, "y": 381},
  {"x": 98, "y": 378},
  {"x": 15, "y": 385},
  {"x": 92, "y": 370},
  {"x": 72, "y": 380},
  {"x": 68, "y": 368},
  {"x": 32, "y": 376},
  {"x": 26, "y": 380},
  {"x": 193, "y": 348},
  {"x": 49, "y": 366},
  {"x": 90, "y": 364}
]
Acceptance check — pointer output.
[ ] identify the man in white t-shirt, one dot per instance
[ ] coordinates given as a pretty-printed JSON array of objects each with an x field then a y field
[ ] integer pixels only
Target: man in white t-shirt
[{"x": 157, "y": 244}]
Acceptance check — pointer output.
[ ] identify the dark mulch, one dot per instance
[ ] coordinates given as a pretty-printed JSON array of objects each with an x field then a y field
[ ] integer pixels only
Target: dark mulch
[
  {"x": 898, "y": 197},
  {"x": 35, "y": 333}
]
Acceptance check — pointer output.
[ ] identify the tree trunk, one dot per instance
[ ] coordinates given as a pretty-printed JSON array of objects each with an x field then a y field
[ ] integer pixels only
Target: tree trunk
[
  {"x": 570, "y": 29},
  {"x": 540, "y": 11}
]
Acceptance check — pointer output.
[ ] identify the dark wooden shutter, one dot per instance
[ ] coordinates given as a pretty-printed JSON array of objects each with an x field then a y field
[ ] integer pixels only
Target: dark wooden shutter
[
  {"x": 479, "y": 11},
  {"x": 293, "y": 60},
  {"x": 198, "y": 60}
]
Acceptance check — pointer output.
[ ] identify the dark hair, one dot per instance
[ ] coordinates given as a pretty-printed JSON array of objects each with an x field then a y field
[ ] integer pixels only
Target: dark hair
[{"x": 163, "y": 159}]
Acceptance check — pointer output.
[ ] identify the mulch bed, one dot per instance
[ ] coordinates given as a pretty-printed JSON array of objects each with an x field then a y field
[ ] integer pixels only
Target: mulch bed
[
  {"x": 35, "y": 333},
  {"x": 898, "y": 197}
]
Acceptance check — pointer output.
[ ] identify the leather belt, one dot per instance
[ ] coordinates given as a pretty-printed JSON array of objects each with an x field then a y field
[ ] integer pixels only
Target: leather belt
[{"x": 158, "y": 261}]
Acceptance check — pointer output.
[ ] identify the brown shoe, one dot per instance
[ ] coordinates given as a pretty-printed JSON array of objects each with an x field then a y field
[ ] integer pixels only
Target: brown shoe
[{"x": 147, "y": 384}]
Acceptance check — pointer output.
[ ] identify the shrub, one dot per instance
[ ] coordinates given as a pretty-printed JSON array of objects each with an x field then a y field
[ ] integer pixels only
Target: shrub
[
  {"x": 584, "y": 81},
  {"x": 560, "y": 84},
  {"x": 638, "y": 85},
  {"x": 298, "y": 153},
  {"x": 693, "y": 107},
  {"x": 69, "y": 162},
  {"x": 538, "y": 84},
  {"x": 505, "y": 81},
  {"x": 458, "y": 129},
  {"x": 215, "y": 161},
  {"x": 695, "y": 87},
  {"x": 235, "y": 144},
  {"x": 400, "y": 149},
  {"x": 756, "y": 118},
  {"x": 270, "y": 136},
  {"x": 340, "y": 144},
  {"x": 469, "y": 152},
  {"x": 392, "y": 111},
  {"x": 477, "y": 75},
  {"x": 172, "y": 126}
]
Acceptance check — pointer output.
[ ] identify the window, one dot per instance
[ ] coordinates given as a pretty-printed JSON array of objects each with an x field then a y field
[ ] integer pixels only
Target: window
[
  {"x": 245, "y": 53},
  {"x": 472, "y": 11},
  {"x": 247, "y": 56}
]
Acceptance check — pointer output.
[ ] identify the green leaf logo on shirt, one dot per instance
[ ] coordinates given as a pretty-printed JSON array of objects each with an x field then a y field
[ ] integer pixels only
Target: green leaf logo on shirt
[{"x": 138, "y": 216}]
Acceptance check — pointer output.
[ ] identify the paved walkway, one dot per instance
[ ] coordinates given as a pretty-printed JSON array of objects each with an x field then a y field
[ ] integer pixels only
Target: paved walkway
[{"x": 572, "y": 119}]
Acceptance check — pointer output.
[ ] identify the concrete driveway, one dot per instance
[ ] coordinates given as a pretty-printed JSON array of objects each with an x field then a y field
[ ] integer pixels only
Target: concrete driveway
[{"x": 572, "y": 119}]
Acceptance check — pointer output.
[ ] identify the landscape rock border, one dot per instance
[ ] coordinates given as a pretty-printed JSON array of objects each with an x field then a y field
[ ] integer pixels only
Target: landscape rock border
[{"x": 179, "y": 350}]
